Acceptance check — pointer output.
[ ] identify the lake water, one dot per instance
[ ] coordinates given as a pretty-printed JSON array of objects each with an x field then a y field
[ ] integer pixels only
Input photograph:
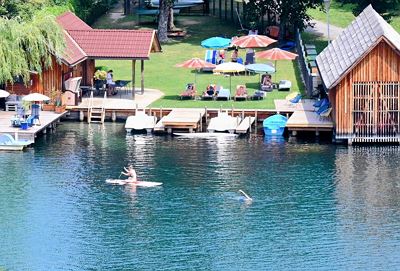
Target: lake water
[{"x": 316, "y": 206}]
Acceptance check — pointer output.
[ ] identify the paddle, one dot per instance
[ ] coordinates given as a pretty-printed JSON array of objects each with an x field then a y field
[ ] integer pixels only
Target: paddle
[{"x": 245, "y": 195}]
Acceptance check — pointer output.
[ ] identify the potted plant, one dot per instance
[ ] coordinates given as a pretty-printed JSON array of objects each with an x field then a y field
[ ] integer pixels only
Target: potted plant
[
  {"x": 59, "y": 107},
  {"x": 99, "y": 79},
  {"x": 50, "y": 105}
]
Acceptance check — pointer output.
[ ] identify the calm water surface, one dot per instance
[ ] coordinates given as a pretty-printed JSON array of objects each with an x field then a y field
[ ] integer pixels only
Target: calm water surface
[{"x": 316, "y": 207}]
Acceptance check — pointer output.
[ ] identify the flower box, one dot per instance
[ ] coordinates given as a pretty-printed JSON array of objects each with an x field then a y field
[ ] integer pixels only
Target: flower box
[
  {"x": 48, "y": 107},
  {"x": 60, "y": 109}
]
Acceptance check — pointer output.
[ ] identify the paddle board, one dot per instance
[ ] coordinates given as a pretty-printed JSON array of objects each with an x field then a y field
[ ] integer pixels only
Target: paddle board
[
  {"x": 205, "y": 135},
  {"x": 138, "y": 183}
]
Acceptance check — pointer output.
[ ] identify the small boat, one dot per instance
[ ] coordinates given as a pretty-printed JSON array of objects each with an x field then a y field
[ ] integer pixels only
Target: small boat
[
  {"x": 223, "y": 122},
  {"x": 138, "y": 183},
  {"x": 206, "y": 135},
  {"x": 274, "y": 125},
  {"x": 8, "y": 143},
  {"x": 141, "y": 121}
]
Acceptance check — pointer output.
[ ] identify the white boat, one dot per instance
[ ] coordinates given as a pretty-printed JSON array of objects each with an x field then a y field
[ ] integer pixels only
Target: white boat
[
  {"x": 223, "y": 122},
  {"x": 141, "y": 121},
  {"x": 206, "y": 135},
  {"x": 8, "y": 143}
]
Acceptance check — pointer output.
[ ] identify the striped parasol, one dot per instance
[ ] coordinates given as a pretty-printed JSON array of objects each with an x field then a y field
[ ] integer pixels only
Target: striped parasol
[
  {"x": 253, "y": 41},
  {"x": 276, "y": 54},
  {"x": 195, "y": 63}
]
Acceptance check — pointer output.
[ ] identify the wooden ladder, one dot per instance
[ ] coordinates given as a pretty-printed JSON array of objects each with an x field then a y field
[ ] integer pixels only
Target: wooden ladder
[{"x": 96, "y": 114}]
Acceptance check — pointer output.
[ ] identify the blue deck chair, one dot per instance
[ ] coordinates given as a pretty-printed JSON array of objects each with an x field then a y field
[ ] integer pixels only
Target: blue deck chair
[
  {"x": 295, "y": 100},
  {"x": 211, "y": 56}
]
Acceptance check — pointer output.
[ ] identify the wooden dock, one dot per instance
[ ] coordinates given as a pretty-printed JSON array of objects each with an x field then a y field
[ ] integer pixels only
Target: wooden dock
[
  {"x": 47, "y": 120},
  {"x": 181, "y": 118},
  {"x": 245, "y": 125},
  {"x": 308, "y": 121},
  {"x": 286, "y": 106}
]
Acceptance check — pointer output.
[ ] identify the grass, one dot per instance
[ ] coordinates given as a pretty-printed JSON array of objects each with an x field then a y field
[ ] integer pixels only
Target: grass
[
  {"x": 161, "y": 74},
  {"x": 341, "y": 15}
]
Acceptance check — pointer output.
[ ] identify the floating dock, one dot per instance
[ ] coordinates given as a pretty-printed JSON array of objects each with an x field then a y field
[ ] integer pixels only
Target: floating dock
[
  {"x": 181, "y": 118},
  {"x": 47, "y": 119},
  {"x": 140, "y": 121}
]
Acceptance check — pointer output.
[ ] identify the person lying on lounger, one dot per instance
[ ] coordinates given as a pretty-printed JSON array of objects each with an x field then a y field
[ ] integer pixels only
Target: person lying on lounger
[
  {"x": 131, "y": 173},
  {"x": 211, "y": 91}
]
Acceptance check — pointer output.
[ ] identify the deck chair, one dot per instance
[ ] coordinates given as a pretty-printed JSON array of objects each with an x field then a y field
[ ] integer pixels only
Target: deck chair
[
  {"x": 189, "y": 93},
  {"x": 325, "y": 114},
  {"x": 210, "y": 92},
  {"x": 284, "y": 85},
  {"x": 223, "y": 94},
  {"x": 293, "y": 101},
  {"x": 258, "y": 95},
  {"x": 266, "y": 83},
  {"x": 241, "y": 93}
]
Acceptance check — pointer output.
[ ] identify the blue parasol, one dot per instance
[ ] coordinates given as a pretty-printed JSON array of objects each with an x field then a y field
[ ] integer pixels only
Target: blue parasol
[{"x": 216, "y": 43}]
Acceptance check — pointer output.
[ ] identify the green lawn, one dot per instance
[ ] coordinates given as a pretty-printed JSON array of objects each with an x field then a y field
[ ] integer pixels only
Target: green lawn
[
  {"x": 160, "y": 72},
  {"x": 341, "y": 15}
]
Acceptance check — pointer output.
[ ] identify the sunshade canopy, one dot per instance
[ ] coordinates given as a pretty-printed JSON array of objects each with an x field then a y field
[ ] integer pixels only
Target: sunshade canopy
[
  {"x": 260, "y": 68},
  {"x": 216, "y": 43},
  {"x": 229, "y": 67},
  {"x": 276, "y": 54},
  {"x": 195, "y": 63},
  {"x": 4, "y": 94},
  {"x": 35, "y": 97},
  {"x": 253, "y": 41}
]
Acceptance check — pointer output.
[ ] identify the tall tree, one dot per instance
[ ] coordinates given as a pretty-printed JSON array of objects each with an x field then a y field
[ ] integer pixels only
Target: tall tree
[
  {"x": 164, "y": 19},
  {"x": 387, "y": 8}
]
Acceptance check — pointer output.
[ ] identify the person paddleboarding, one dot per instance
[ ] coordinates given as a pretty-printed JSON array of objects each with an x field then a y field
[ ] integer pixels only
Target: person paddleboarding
[{"x": 130, "y": 172}]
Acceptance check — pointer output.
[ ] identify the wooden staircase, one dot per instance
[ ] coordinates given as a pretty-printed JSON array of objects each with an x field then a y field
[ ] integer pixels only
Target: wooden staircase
[{"x": 96, "y": 114}]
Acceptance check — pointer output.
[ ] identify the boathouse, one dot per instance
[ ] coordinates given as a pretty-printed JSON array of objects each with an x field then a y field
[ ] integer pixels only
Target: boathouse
[
  {"x": 361, "y": 73},
  {"x": 83, "y": 46}
]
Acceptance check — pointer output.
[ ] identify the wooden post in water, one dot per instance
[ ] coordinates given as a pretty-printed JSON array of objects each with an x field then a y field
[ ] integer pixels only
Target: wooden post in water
[
  {"x": 250, "y": 125},
  {"x": 255, "y": 121},
  {"x": 206, "y": 114},
  {"x": 201, "y": 123}
]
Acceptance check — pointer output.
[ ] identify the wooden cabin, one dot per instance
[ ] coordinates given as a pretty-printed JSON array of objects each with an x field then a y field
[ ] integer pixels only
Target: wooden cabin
[
  {"x": 83, "y": 46},
  {"x": 361, "y": 73}
]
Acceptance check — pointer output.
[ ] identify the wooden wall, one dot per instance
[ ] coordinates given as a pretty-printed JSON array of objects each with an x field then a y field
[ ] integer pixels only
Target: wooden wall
[{"x": 382, "y": 64}]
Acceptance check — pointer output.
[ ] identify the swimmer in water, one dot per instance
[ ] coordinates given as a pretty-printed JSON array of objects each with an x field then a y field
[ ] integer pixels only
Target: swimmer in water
[
  {"x": 131, "y": 173},
  {"x": 246, "y": 197}
]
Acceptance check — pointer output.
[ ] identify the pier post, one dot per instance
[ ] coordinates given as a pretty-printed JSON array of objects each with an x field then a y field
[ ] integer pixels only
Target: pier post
[
  {"x": 349, "y": 142},
  {"x": 169, "y": 130},
  {"x": 232, "y": 111},
  {"x": 113, "y": 116},
  {"x": 250, "y": 125},
  {"x": 255, "y": 121},
  {"x": 81, "y": 115},
  {"x": 294, "y": 133},
  {"x": 206, "y": 114},
  {"x": 201, "y": 122},
  {"x": 316, "y": 133},
  {"x": 161, "y": 112}
]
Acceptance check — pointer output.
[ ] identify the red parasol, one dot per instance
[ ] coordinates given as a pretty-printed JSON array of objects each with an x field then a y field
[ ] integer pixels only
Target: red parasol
[
  {"x": 195, "y": 63},
  {"x": 276, "y": 54},
  {"x": 253, "y": 41}
]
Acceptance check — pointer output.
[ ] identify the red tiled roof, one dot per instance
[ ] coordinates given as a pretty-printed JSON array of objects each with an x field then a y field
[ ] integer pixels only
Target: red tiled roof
[
  {"x": 73, "y": 53},
  {"x": 69, "y": 21},
  {"x": 125, "y": 44}
]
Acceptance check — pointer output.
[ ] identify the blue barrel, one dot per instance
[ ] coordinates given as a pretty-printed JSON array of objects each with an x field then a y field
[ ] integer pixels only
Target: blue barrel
[{"x": 274, "y": 125}]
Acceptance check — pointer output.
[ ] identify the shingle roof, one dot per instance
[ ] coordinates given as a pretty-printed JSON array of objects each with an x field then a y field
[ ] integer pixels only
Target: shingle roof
[
  {"x": 73, "y": 53},
  {"x": 352, "y": 44},
  {"x": 99, "y": 43},
  {"x": 84, "y": 42},
  {"x": 69, "y": 21}
]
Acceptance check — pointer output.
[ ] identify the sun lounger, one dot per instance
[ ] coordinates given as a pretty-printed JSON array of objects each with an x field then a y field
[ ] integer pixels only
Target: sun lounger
[
  {"x": 189, "y": 93},
  {"x": 223, "y": 94},
  {"x": 241, "y": 93},
  {"x": 12, "y": 102},
  {"x": 210, "y": 92},
  {"x": 284, "y": 85}
]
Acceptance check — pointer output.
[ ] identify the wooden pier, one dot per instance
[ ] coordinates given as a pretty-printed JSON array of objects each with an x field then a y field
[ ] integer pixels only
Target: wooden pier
[
  {"x": 47, "y": 120},
  {"x": 181, "y": 118},
  {"x": 303, "y": 117}
]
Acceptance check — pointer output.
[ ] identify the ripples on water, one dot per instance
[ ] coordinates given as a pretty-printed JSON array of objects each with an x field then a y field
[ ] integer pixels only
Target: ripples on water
[{"x": 315, "y": 206}]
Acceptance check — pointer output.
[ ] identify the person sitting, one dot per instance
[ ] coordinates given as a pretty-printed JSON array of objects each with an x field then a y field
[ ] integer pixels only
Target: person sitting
[
  {"x": 211, "y": 90},
  {"x": 130, "y": 173},
  {"x": 235, "y": 55},
  {"x": 221, "y": 56},
  {"x": 266, "y": 83},
  {"x": 110, "y": 83}
]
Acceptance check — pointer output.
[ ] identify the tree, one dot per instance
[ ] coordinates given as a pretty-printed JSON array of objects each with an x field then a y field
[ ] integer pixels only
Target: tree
[
  {"x": 29, "y": 45},
  {"x": 387, "y": 8},
  {"x": 163, "y": 17}
]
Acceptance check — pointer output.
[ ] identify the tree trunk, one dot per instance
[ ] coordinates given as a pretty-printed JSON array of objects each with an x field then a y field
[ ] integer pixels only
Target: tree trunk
[
  {"x": 282, "y": 31},
  {"x": 171, "y": 25},
  {"x": 163, "y": 21}
]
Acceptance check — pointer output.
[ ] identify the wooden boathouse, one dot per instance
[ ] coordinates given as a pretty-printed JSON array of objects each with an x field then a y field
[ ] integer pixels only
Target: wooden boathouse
[
  {"x": 83, "y": 46},
  {"x": 361, "y": 73}
]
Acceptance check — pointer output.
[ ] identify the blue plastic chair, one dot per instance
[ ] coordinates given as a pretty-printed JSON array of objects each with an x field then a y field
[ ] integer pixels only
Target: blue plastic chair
[{"x": 296, "y": 99}]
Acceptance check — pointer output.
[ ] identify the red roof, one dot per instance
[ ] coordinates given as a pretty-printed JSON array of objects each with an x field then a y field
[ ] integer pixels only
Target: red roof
[
  {"x": 128, "y": 44},
  {"x": 73, "y": 53},
  {"x": 84, "y": 42},
  {"x": 69, "y": 21}
]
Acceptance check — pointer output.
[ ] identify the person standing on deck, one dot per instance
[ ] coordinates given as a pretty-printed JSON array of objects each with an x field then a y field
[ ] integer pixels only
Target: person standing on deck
[
  {"x": 110, "y": 83},
  {"x": 131, "y": 173}
]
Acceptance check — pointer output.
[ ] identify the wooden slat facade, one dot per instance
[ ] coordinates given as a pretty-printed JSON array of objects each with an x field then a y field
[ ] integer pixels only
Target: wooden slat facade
[
  {"x": 52, "y": 79},
  {"x": 366, "y": 100}
]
